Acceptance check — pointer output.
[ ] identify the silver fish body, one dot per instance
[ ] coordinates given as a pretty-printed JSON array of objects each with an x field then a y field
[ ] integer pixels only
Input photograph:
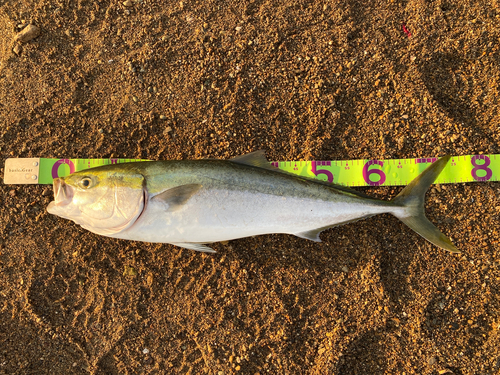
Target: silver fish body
[{"x": 193, "y": 203}]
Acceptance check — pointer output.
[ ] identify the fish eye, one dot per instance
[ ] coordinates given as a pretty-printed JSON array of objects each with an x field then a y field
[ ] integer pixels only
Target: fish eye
[{"x": 86, "y": 182}]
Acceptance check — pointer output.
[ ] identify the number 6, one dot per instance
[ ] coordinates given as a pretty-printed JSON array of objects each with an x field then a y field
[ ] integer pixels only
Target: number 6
[{"x": 367, "y": 172}]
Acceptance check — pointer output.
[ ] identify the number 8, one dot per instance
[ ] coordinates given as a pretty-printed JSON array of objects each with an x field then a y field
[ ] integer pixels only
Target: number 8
[{"x": 484, "y": 167}]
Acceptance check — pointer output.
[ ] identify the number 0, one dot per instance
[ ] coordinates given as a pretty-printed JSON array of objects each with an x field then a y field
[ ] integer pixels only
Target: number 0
[{"x": 55, "y": 167}]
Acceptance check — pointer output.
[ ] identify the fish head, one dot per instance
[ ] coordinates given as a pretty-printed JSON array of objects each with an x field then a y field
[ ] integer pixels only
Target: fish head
[{"x": 103, "y": 201}]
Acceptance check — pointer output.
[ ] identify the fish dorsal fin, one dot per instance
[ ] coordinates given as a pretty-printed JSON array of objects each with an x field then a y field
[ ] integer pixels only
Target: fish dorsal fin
[
  {"x": 177, "y": 196},
  {"x": 254, "y": 159},
  {"x": 258, "y": 159}
]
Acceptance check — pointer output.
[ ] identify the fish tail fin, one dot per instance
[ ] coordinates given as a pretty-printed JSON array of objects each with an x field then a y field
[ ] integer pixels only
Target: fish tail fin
[{"x": 412, "y": 199}]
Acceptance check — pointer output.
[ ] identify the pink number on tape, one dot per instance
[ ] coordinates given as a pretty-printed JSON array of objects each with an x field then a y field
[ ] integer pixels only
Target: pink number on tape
[
  {"x": 484, "y": 167},
  {"x": 55, "y": 167},
  {"x": 326, "y": 172},
  {"x": 367, "y": 172}
]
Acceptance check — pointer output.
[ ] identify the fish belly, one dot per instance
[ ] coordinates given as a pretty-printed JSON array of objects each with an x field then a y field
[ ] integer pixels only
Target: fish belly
[{"x": 220, "y": 215}]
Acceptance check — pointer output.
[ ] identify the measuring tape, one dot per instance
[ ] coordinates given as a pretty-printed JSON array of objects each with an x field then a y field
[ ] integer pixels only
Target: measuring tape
[{"x": 365, "y": 172}]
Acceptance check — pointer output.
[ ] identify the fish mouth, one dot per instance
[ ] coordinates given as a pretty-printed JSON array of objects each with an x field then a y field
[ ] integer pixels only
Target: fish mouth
[{"x": 63, "y": 193}]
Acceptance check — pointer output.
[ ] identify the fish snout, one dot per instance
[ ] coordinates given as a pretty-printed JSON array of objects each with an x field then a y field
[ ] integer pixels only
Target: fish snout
[{"x": 63, "y": 193}]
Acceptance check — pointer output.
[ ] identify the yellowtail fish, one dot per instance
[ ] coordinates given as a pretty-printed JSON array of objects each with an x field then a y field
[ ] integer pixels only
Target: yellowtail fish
[{"x": 192, "y": 203}]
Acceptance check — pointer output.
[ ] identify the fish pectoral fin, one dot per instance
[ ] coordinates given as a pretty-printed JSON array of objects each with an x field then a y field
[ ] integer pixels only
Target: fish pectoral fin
[
  {"x": 195, "y": 246},
  {"x": 177, "y": 196}
]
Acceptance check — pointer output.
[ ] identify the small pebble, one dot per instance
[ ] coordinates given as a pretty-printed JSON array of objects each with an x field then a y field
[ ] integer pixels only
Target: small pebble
[
  {"x": 145, "y": 351},
  {"x": 17, "y": 49},
  {"x": 28, "y": 33},
  {"x": 128, "y": 3},
  {"x": 345, "y": 269},
  {"x": 163, "y": 117},
  {"x": 401, "y": 142},
  {"x": 129, "y": 271}
]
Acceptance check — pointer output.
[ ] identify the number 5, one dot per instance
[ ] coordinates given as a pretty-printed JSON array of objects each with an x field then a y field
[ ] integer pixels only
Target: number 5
[{"x": 326, "y": 172}]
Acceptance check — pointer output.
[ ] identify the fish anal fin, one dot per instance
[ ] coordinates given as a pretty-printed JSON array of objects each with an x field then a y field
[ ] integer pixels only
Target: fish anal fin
[
  {"x": 195, "y": 246},
  {"x": 312, "y": 234},
  {"x": 176, "y": 197}
]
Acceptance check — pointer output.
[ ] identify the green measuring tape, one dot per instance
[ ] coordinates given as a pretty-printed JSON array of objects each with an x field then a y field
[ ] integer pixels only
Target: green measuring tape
[{"x": 365, "y": 172}]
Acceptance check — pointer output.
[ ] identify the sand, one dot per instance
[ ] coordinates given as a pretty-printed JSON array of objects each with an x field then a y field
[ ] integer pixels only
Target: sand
[{"x": 303, "y": 80}]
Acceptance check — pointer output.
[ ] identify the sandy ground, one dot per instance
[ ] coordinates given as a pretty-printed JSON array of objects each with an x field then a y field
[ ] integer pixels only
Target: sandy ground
[{"x": 304, "y": 80}]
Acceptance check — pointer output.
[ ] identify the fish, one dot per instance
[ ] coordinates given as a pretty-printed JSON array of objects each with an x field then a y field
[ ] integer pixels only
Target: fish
[{"x": 194, "y": 203}]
